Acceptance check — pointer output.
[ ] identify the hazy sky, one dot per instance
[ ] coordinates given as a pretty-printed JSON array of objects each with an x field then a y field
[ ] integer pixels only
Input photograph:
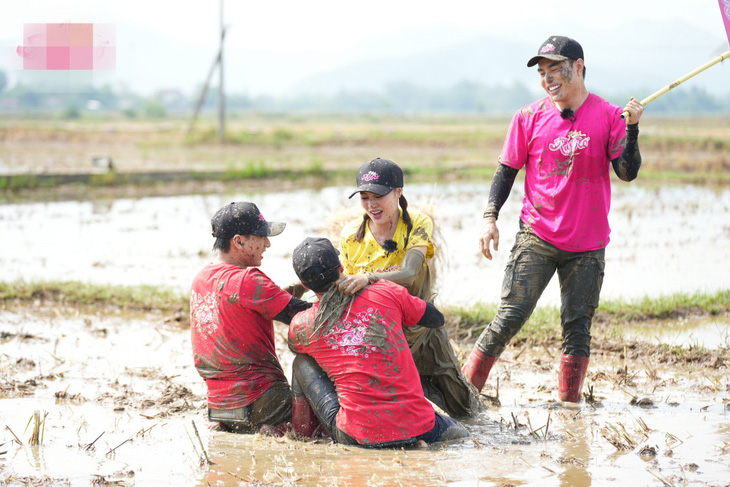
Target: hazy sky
[
  {"x": 325, "y": 32},
  {"x": 333, "y": 25}
]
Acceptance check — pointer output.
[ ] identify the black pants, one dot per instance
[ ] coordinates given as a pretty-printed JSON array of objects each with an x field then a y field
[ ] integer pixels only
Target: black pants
[
  {"x": 309, "y": 380},
  {"x": 273, "y": 407}
]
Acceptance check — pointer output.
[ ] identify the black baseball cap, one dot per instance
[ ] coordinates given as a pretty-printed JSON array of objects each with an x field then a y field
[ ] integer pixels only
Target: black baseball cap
[
  {"x": 243, "y": 218},
  {"x": 316, "y": 263},
  {"x": 557, "y": 48},
  {"x": 379, "y": 176}
]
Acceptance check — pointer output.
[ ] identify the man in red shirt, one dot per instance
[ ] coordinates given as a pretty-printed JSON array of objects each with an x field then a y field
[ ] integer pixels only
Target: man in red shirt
[
  {"x": 353, "y": 365},
  {"x": 232, "y": 308}
]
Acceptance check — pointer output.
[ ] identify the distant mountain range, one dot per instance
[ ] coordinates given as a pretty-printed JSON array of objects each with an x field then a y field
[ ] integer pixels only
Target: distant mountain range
[
  {"x": 636, "y": 58},
  {"x": 614, "y": 63}
]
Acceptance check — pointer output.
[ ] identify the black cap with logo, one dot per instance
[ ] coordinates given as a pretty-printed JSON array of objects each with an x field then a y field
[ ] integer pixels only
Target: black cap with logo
[
  {"x": 243, "y": 218},
  {"x": 557, "y": 48},
  {"x": 316, "y": 263},
  {"x": 379, "y": 176}
]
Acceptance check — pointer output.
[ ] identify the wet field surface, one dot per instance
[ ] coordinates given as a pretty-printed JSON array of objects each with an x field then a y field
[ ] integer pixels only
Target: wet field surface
[
  {"x": 664, "y": 240},
  {"x": 120, "y": 402}
]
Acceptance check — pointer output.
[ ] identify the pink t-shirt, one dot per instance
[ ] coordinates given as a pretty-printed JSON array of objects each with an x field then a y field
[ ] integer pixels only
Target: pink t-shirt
[
  {"x": 367, "y": 357},
  {"x": 567, "y": 170},
  {"x": 232, "y": 331}
]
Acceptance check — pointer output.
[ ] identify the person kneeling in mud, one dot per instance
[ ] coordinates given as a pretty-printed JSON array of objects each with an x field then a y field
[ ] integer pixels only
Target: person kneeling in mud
[
  {"x": 232, "y": 308},
  {"x": 354, "y": 373}
]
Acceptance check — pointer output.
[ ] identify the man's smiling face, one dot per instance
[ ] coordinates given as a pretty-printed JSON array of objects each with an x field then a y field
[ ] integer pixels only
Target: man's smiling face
[{"x": 561, "y": 80}]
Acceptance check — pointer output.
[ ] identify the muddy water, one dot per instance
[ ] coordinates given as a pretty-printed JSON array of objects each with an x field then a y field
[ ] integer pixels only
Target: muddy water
[
  {"x": 712, "y": 333},
  {"x": 121, "y": 396},
  {"x": 664, "y": 240}
]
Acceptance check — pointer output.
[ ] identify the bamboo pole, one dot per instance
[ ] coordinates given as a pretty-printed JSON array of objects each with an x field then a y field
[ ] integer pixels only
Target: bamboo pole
[{"x": 681, "y": 80}]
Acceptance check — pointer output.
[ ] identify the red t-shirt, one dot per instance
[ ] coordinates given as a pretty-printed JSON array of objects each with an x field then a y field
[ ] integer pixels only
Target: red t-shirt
[
  {"x": 231, "y": 312},
  {"x": 367, "y": 357}
]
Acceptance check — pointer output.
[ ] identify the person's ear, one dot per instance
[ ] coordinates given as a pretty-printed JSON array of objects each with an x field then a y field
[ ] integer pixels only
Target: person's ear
[{"x": 580, "y": 66}]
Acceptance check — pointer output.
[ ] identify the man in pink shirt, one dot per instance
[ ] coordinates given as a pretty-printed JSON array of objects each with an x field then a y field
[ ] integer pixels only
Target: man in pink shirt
[{"x": 567, "y": 142}]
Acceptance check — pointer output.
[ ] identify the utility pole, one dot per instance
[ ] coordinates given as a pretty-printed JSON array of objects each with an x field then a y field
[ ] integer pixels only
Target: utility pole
[
  {"x": 217, "y": 63},
  {"x": 221, "y": 93}
]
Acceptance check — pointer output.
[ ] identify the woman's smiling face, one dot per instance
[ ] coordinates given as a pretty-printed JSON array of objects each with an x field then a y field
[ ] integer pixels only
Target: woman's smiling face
[{"x": 381, "y": 208}]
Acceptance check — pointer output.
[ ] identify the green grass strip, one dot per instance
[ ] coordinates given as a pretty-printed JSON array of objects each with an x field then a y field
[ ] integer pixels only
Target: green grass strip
[
  {"x": 469, "y": 322},
  {"x": 84, "y": 294}
]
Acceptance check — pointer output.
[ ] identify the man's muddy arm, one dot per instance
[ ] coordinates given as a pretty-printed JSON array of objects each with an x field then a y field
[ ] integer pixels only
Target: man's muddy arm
[
  {"x": 294, "y": 306},
  {"x": 502, "y": 183},
  {"x": 626, "y": 166}
]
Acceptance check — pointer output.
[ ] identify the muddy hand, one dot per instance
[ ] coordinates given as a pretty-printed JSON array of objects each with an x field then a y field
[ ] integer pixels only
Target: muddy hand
[
  {"x": 352, "y": 284},
  {"x": 635, "y": 109},
  {"x": 489, "y": 234}
]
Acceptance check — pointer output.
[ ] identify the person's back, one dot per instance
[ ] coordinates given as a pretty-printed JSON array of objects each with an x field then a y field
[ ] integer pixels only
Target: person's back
[
  {"x": 354, "y": 374},
  {"x": 367, "y": 357}
]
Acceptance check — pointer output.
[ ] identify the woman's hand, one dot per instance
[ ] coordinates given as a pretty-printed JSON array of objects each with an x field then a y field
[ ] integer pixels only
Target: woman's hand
[{"x": 352, "y": 284}]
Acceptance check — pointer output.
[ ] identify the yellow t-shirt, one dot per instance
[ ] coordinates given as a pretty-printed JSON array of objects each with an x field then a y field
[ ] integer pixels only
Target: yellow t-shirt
[{"x": 368, "y": 256}]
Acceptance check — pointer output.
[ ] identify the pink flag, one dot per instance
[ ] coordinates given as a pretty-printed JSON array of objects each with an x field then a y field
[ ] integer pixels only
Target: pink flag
[{"x": 725, "y": 9}]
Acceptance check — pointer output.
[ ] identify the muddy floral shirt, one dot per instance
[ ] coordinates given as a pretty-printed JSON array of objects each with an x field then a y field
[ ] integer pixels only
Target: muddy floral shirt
[
  {"x": 368, "y": 359},
  {"x": 567, "y": 169},
  {"x": 368, "y": 256},
  {"x": 231, "y": 312}
]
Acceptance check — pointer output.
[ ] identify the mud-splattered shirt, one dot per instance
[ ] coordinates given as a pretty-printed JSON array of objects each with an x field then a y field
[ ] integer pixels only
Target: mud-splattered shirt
[
  {"x": 368, "y": 255},
  {"x": 231, "y": 312},
  {"x": 367, "y": 357},
  {"x": 567, "y": 162}
]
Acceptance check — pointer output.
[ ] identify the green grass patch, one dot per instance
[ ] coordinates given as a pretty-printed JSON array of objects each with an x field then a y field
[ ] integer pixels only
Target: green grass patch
[
  {"x": 467, "y": 323},
  {"x": 247, "y": 170},
  {"x": 668, "y": 307},
  {"x": 84, "y": 294},
  {"x": 18, "y": 182}
]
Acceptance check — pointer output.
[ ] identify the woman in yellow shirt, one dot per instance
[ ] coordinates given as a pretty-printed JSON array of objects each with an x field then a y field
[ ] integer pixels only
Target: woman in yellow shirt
[{"x": 389, "y": 242}]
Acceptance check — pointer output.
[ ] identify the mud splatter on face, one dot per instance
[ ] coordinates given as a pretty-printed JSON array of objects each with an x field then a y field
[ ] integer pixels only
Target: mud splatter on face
[
  {"x": 566, "y": 71},
  {"x": 253, "y": 248}
]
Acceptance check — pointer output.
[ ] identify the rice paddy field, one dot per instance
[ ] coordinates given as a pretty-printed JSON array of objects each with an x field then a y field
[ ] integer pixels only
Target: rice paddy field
[{"x": 103, "y": 223}]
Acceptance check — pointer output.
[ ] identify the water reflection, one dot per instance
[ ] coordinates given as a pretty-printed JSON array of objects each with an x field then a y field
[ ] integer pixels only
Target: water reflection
[
  {"x": 165, "y": 241},
  {"x": 576, "y": 454}
]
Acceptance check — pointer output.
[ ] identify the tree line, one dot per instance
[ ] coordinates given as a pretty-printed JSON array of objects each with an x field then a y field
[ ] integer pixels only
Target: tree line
[{"x": 468, "y": 98}]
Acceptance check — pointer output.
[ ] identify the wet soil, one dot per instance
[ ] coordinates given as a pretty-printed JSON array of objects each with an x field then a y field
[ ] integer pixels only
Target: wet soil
[{"x": 120, "y": 404}]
